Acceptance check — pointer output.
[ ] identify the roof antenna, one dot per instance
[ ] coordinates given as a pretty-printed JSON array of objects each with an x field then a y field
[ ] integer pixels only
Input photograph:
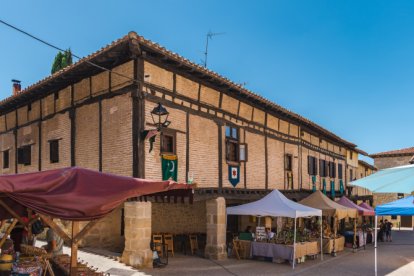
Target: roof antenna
[{"x": 209, "y": 35}]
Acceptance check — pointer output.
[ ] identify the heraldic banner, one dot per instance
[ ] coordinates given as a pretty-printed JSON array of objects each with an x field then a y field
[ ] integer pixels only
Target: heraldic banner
[
  {"x": 169, "y": 167},
  {"x": 234, "y": 175}
]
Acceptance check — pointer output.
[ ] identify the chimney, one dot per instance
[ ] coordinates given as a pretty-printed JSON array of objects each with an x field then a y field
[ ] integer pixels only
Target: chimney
[{"x": 16, "y": 87}]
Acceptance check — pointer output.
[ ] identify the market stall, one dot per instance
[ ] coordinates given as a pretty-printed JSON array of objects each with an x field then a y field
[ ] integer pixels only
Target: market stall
[
  {"x": 331, "y": 241},
  {"x": 360, "y": 232},
  {"x": 275, "y": 204},
  {"x": 72, "y": 194},
  {"x": 392, "y": 180}
]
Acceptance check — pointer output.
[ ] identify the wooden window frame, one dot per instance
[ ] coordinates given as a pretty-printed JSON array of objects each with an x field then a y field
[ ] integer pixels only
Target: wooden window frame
[
  {"x": 24, "y": 155},
  {"x": 6, "y": 165},
  {"x": 312, "y": 165},
  {"x": 230, "y": 139},
  {"x": 172, "y": 134},
  {"x": 332, "y": 169},
  {"x": 288, "y": 156},
  {"x": 54, "y": 158},
  {"x": 340, "y": 171}
]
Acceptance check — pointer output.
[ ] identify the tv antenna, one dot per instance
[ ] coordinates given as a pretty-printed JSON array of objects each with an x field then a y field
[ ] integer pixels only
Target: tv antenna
[{"x": 209, "y": 35}]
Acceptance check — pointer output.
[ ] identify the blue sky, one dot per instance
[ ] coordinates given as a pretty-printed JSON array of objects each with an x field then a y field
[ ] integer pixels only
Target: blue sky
[{"x": 346, "y": 65}]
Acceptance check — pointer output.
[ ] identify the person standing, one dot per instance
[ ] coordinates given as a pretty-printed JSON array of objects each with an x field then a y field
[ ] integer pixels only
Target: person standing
[{"x": 388, "y": 228}]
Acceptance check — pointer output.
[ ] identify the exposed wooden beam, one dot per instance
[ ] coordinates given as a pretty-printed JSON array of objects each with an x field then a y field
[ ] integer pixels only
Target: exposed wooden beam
[
  {"x": 56, "y": 228},
  {"x": 13, "y": 213},
  {"x": 74, "y": 249},
  {"x": 8, "y": 231},
  {"x": 85, "y": 230}
]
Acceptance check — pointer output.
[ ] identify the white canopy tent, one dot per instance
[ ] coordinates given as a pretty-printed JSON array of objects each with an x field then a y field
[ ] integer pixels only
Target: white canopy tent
[{"x": 275, "y": 204}]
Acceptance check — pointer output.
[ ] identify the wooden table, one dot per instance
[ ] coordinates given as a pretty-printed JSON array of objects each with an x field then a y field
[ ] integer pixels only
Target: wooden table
[
  {"x": 282, "y": 251},
  {"x": 328, "y": 244}
]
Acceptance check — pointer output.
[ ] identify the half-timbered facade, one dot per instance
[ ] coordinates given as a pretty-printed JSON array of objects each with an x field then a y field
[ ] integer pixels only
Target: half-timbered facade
[{"x": 234, "y": 144}]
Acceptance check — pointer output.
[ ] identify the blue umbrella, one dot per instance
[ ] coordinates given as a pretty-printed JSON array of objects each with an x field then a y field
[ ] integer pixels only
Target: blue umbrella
[{"x": 392, "y": 180}]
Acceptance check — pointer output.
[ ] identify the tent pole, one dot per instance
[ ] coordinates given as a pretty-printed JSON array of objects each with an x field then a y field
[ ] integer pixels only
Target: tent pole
[
  {"x": 376, "y": 238},
  {"x": 355, "y": 234},
  {"x": 294, "y": 245},
  {"x": 321, "y": 239},
  {"x": 74, "y": 249}
]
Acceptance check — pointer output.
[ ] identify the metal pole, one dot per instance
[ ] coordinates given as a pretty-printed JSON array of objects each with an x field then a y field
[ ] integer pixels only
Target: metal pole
[
  {"x": 321, "y": 239},
  {"x": 376, "y": 225},
  {"x": 294, "y": 245}
]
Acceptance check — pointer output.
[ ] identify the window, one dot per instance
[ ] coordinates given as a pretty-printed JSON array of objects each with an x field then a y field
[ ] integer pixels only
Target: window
[
  {"x": 393, "y": 217},
  {"x": 332, "y": 169},
  {"x": 168, "y": 143},
  {"x": 312, "y": 165},
  {"x": 323, "y": 168},
  {"x": 29, "y": 107},
  {"x": 235, "y": 151},
  {"x": 24, "y": 155},
  {"x": 350, "y": 155},
  {"x": 351, "y": 175},
  {"x": 56, "y": 95},
  {"x": 288, "y": 162},
  {"x": 340, "y": 173},
  {"x": 6, "y": 158},
  {"x": 54, "y": 151}
]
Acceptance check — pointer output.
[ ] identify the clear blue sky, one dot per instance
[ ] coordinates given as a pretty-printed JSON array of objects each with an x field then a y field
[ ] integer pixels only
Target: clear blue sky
[{"x": 346, "y": 65}]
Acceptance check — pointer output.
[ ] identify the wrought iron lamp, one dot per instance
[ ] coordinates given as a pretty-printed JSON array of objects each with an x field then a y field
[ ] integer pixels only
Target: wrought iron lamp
[{"x": 159, "y": 116}]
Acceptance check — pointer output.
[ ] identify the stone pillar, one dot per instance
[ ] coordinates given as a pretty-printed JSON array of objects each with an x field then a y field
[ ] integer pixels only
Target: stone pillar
[
  {"x": 216, "y": 229},
  {"x": 137, "y": 251}
]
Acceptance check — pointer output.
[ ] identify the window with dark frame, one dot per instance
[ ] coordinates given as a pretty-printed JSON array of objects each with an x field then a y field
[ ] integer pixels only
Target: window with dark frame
[
  {"x": 29, "y": 107},
  {"x": 312, "y": 165},
  {"x": 24, "y": 155},
  {"x": 323, "y": 168},
  {"x": 56, "y": 95},
  {"x": 332, "y": 169},
  {"x": 235, "y": 151},
  {"x": 340, "y": 172},
  {"x": 351, "y": 175},
  {"x": 54, "y": 151},
  {"x": 6, "y": 159},
  {"x": 288, "y": 162},
  {"x": 168, "y": 143}
]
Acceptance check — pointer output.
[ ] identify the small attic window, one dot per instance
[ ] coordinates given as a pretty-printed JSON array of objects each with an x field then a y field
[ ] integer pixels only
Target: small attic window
[{"x": 29, "y": 107}]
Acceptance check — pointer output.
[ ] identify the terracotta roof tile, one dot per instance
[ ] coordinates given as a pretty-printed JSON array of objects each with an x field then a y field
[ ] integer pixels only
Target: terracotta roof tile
[
  {"x": 156, "y": 47},
  {"x": 406, "y": 151}
]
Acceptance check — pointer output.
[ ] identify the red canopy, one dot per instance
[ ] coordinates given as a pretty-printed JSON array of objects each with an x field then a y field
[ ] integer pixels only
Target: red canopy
[
  {"x": 366, "y": 206},
  {"x": 344, "y": 201},
  {"x": 74, "y": 193}
]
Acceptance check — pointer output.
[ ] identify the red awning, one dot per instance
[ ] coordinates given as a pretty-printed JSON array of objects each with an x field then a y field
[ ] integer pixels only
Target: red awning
[
  {"x": 75, "y": 193},
  {"x": 361, "y": 211}
]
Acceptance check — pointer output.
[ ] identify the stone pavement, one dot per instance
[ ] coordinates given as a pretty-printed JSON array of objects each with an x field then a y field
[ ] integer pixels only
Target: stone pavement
[{"x": 395, "y": 258}]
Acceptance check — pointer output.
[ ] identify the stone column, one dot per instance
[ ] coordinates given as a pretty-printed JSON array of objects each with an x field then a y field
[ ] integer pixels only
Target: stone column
[
  {"x": 216, "y": 229},
  {"x": 137, "y": 251}
]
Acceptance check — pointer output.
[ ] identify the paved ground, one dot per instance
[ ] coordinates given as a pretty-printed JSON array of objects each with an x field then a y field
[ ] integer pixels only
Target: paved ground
[{"x": 395, "y": 258}]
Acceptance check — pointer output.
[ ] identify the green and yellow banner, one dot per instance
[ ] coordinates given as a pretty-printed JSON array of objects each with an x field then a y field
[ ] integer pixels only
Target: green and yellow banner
[{"x": 169, "y": 167}]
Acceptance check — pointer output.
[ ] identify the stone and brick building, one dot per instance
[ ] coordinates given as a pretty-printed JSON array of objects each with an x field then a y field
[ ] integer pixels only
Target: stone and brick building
[
  {"x": 89, "y": 117},
  {"x": 390, "y": 159}
]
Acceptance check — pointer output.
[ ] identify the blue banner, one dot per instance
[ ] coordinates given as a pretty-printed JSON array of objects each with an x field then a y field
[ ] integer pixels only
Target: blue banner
[
  {"x": 333, "y": 188},
  {"x": 324, "y": 186},
  {"x": 313, "y": 183},
  {"x": 234, "y": 175},
  {"x": 341, "y": 186}
]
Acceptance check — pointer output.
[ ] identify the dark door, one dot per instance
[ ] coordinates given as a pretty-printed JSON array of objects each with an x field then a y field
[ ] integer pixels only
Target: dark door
[{"x": 407, "y": 221}]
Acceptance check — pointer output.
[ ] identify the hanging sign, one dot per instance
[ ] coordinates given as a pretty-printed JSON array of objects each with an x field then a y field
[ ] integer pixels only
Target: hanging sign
[
  {"x": 234, "y": 175},
  {"x": 341, "y": 186},
  {"x": 169, "y": 167},
  {"x": 333, "y": 188},
  {"x": 313, "y": 183},
  {"x": 324, "y": 186}
]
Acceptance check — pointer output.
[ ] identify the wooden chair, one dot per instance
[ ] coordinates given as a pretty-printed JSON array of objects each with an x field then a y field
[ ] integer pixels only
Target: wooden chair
[
  {"x": 193, "y": 243},
  {"x": 236, "y": 249},
  {"x": 157, "y": 241},
  {"x": 169, "y": 241}
]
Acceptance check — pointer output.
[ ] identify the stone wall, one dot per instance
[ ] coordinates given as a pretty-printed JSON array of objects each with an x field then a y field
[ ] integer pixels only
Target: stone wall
[
  {"x": 393, "y": 161},
  {"x": 179, "y": 218}
]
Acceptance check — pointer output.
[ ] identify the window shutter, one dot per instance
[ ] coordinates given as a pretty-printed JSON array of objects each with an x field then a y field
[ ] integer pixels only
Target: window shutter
[
  {"x": 242, "y": 152},
  {"x": 310, "y": 165},
  {"x": 54, "y": 151},
  {"x": 315, "y": 166}
]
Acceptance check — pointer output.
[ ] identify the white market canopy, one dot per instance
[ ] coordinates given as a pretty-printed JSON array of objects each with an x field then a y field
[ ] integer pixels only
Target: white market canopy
[{"x": 274, "y": 204}]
